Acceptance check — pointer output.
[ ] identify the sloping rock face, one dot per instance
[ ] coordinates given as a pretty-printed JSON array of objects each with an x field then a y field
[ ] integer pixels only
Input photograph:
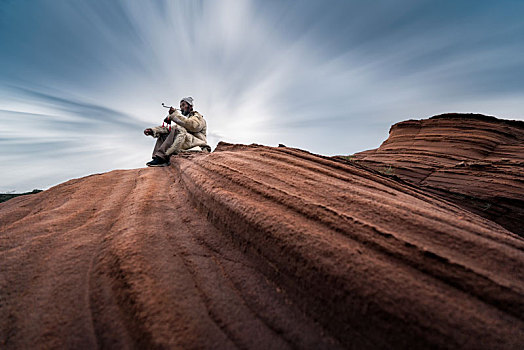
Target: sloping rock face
[
  {"x": 255, "y": 247},
  {"x": 475, "y": 160}
]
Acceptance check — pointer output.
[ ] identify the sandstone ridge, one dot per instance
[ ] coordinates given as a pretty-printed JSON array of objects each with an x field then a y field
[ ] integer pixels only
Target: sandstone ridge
[
  {"x": 255, "y": 247},
  {"x": 474, "y": 160}
]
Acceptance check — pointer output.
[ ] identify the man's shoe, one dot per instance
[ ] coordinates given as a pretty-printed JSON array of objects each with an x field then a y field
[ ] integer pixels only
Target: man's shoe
[{"x": 157, "y": 161}]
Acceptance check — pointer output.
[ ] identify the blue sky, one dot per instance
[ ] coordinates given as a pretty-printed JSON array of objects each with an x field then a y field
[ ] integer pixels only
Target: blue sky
[{"x": 80, "y": 80}]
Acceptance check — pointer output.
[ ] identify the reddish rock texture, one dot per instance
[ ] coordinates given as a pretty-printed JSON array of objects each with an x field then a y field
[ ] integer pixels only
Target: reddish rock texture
[
  {"x": 475, "y": 160},
  {"x": 255, "y": 247}
]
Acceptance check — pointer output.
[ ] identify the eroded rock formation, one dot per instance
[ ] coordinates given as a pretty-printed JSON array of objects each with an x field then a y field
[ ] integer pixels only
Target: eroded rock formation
[
  {"x": 475, "y": 160},
  {"x": 255, "y": 247}
]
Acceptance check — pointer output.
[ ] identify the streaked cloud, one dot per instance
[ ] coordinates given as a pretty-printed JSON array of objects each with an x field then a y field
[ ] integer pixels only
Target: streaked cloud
[{"x": 80, "y": 80}]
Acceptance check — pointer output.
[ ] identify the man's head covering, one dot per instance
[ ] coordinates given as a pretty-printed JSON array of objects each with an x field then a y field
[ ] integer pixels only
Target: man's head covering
[{"x": 188, "y": 99}]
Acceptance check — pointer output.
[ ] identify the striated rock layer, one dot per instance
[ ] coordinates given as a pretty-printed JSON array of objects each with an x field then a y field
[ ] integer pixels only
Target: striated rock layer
[
  {"x": 255, "y": 247},
  {"x": 475, "y": 160}
]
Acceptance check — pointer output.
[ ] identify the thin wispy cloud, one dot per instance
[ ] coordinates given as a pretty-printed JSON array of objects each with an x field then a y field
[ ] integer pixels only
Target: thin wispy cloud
[{"x": 80, "y": 80}]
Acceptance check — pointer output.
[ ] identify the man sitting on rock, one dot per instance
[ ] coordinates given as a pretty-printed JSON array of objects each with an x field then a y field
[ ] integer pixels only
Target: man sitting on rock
[{"x": 189, "y": 133}]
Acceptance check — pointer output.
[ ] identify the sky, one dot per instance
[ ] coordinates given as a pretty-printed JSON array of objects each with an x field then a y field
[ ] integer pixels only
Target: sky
[{"x": 81, "y": 80}]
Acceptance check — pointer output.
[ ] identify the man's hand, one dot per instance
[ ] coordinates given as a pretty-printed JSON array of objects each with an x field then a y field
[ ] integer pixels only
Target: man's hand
[
  {"x": 167, "y": 120},
  {"x": 171, "y": 110},
  {"x": 148, "y": 131}
]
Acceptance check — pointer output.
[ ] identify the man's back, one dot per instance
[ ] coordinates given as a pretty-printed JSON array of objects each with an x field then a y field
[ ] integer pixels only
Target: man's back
[{"x": 200, "y": 131}]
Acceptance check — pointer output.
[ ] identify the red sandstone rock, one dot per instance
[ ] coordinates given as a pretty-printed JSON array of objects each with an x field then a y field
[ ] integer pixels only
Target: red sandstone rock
[
  {"x": 474, "y": 160},
  {"x": 254, "y": 247}
]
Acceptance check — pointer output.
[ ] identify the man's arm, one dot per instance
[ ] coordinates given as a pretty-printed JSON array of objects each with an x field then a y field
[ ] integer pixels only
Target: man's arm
[
  {"x": 156, "y": 131},
  {"x": 195, "y": 123}
]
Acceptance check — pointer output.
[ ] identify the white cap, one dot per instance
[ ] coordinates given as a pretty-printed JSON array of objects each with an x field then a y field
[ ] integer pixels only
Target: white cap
[{"x": 188, "y": 99}]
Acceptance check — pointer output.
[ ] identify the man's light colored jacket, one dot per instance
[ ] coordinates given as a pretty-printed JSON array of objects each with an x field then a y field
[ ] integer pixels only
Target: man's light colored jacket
[{"x": 191, "y": 131}]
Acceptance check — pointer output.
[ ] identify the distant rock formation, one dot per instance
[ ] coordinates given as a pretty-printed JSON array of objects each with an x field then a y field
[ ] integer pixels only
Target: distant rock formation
[
  {"x": 474, "y": 160},
  {"x": 257, "y": 247},
  {"x": 7, "y": 196}
]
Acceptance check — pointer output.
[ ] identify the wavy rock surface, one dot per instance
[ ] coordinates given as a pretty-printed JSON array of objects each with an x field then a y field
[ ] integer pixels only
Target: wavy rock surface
[
  {"x": 475, "y": 160},
  {"x": 254, "y": 247}
]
